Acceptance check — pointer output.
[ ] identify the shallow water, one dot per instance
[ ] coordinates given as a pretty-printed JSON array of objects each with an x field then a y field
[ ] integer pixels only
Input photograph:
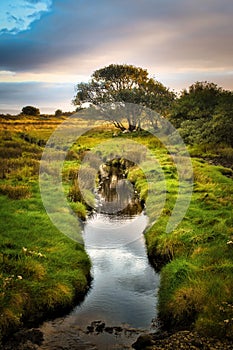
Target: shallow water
[
  {"x": 121, "y": 303},
  {"x": 124, "y": 284}
]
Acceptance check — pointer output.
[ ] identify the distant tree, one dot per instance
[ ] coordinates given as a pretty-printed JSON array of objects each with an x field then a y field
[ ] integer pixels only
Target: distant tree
[
  {"x": 125, "y": 84},
  {"x": 30, "y": 110},
  {"x": 198, "y": 102},
  {"x": 58, "y": 113},
  {"x": 204, "y": 114}
]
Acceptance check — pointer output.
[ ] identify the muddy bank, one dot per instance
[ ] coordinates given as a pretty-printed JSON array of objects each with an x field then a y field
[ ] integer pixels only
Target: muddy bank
[
  {"x": 34, "y": 339},
  {"x": 25, "y": 339},
  {"x": 72, "y": 339},
  {"x": 183, "y": 340}
]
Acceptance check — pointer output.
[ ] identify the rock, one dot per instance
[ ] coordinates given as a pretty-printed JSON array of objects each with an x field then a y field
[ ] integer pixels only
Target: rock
[
  {"x": 109, "y": 330},
  {"x": 100, "y": 327},
  {"x": 143, "y": 341},
  {"x": 90, "y": 329},
  {"x": 118, "y": 329}
]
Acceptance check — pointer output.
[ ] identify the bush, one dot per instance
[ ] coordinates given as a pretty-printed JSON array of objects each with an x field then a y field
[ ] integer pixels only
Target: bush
[
  {"x": 58, "y": 113},
  {"x": 30, "y": 110}
]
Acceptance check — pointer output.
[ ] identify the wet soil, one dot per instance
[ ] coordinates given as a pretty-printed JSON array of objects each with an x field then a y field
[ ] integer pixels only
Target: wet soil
[{"x": 182, "y": 340}]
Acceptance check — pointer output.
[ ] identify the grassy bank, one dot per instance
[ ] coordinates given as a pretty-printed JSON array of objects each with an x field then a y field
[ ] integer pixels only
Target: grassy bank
[
  {"x": 196, "y": 259},
  {"x": 42, "y": 271}
]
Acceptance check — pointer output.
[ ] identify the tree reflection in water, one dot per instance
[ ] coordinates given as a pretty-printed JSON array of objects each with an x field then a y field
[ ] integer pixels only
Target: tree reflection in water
[{"x": 116, "y": 195}]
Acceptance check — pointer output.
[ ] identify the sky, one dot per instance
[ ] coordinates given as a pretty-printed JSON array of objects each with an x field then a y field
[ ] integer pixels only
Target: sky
[{"x": 49, "y": 46}]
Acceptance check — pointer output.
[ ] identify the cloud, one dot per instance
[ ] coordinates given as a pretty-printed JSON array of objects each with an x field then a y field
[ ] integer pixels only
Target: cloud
[
  {"x": 175, "y": 40},
  {"x": 18, "y": 16},
  {"x": 80, "y": 32}
]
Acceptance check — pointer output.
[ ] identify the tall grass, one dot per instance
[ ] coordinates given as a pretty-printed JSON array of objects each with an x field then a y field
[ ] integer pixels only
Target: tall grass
[
  {"x": 195, "y": 285},
  {"x": 42, "y": 271}
]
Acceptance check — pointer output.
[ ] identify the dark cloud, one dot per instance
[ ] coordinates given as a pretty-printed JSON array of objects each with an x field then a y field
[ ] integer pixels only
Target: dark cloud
[
  {"x": 184, "y": 39},
  {"x": 79, "y": 28}
]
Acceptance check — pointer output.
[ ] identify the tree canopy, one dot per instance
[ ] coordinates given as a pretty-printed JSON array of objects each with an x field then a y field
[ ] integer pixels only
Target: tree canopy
[
  {"x": 204, "y": 114},
  {"x": 198, "y": 102},
  {"x": 58, "y": 113},
  {"x": 125, "y": 84},
  {"x": 30, "y": 110}
]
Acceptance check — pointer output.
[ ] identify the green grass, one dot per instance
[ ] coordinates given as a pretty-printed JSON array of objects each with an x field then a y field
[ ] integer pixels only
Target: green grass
[
  {"x": 196, "y": 282},
  {"x": 38, "y": 263},
  {"x": 43, "y": 270}
]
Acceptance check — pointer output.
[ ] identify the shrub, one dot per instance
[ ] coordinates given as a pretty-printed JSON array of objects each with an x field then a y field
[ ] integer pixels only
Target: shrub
[
  {"x": 30, "y": 110},
  {"x": 15, "y": 192}
]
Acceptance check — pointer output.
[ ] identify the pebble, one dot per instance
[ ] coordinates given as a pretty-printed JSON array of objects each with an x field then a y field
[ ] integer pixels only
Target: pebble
[{"x": 183, "y": 340}]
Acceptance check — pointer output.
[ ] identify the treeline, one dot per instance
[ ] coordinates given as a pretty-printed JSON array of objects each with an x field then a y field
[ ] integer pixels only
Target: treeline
[
  {"x": 204, "y": 114},
  {"x": 31, "y": 111}
]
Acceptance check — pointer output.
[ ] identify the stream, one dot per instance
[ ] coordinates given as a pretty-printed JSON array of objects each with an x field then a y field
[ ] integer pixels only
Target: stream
[{"x": 121, "y": 303}]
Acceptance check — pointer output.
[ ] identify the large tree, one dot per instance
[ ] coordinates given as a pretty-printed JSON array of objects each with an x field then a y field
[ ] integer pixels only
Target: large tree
[{"x": 125, "y": 84}]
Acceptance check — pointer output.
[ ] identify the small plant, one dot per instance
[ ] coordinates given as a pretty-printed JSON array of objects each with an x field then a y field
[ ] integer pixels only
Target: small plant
[
  {"x": 15, "y": 192},
  {"x": 79, "y": 209},
  {"x": 75, "y": 194}
]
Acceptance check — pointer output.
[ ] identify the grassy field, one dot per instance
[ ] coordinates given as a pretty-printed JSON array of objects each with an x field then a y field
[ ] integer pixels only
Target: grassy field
[{"x": 43, "y": 270}]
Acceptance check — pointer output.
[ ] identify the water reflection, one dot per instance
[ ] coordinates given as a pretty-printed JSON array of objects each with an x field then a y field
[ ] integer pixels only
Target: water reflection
[
  {"x": 124, "y": 283},
  {"x": 116, "y": 195},
  {"x": 122, "y": 299}
]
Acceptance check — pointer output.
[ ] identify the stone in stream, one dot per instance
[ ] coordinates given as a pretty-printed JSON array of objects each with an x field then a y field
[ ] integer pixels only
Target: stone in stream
[
  {"x": 118, "y": 329},
  {"x": 100, "y": 327},
  {"x": 96, "y": 326},
  {"x": 90, "y": 329},
  {"x": 109, "y": 330}
]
